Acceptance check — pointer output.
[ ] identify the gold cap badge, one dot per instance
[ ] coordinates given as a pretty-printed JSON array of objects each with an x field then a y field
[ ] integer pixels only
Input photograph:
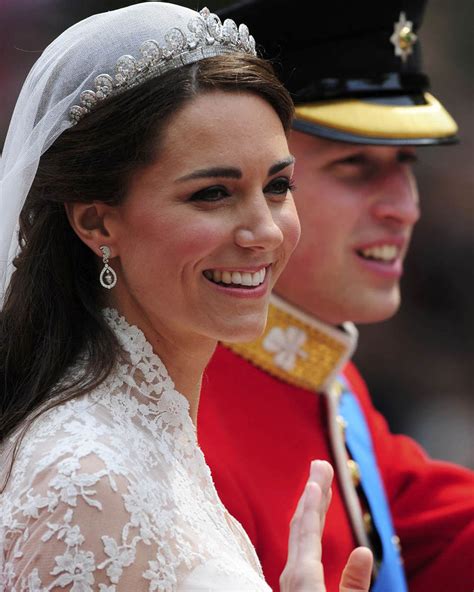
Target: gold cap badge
[{"x": 403, "y": 37}]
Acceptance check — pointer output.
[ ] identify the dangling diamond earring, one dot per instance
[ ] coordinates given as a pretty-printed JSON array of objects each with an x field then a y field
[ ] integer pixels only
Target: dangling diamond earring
[{"x": 108, "y": 277}]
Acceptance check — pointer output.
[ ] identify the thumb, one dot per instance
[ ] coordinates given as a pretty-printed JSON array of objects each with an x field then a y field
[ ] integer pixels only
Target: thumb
[{"x": 358, "y": 571}]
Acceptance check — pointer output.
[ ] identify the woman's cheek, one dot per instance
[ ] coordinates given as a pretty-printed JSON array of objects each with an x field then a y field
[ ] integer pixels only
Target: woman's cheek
[{"x": 291, "y": 228}]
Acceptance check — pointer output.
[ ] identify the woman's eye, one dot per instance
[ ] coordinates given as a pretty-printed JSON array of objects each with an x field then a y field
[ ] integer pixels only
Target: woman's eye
[
  {"x": 279, "y": 186},
  {"x": 214, "y": 193}
]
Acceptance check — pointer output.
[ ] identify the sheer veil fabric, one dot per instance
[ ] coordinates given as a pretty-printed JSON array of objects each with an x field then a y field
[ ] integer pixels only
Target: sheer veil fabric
[
  {"x": 109, "y": 492},
  {"x": 68, "y": 66}
]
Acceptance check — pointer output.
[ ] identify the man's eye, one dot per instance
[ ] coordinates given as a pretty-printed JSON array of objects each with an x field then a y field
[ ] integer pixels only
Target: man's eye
[
  {"x": 407, "y": 157},
  {"x": 214, "y": 193},
  {"x": 354, "y": 167},
  {"x": 354, "y": 160},
  {"x": 280, "y": 186}
]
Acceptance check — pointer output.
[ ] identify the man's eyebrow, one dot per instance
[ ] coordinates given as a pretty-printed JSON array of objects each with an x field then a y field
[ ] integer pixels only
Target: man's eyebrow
[
  {"x": 227, "y": 172},
  {"x": 232, "y": 172}
]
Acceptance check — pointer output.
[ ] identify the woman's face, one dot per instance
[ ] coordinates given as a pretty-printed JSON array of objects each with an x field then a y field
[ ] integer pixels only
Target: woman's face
[{"x": 204, "y": 232}]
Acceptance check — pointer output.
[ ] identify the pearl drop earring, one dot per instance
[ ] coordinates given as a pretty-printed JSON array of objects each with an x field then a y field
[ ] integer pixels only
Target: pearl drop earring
[{"x": 108, "y": 277}]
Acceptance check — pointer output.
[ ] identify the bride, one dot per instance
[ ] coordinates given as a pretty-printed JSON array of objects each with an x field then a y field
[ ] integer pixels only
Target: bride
[{"x": 146, "y": 214}]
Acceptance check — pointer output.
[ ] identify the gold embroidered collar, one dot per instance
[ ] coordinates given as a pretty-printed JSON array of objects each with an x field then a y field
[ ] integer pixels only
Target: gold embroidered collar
[{"x": 298, "y": 348}]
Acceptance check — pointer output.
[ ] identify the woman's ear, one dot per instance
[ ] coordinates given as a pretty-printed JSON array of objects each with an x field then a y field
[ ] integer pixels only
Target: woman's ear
[{"x": 90, "y": 222}]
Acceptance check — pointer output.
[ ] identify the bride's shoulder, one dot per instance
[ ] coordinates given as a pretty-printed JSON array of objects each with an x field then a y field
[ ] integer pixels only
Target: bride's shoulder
[
  {"x": 72, "y": 508},
  {"x": 75, "y": 437}
]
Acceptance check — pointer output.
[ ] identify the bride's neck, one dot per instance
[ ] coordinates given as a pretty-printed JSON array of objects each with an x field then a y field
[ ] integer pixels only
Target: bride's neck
[
  {"x": 185, "y": 354},
  {"x": 186, "y": 366}
]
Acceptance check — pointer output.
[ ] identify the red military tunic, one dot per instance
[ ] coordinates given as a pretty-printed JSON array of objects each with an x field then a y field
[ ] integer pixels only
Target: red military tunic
[{"x": 260, "y": 429}]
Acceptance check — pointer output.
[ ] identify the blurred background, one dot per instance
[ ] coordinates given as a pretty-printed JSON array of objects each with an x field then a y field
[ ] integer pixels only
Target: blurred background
[{"x": 419, "y": 365}]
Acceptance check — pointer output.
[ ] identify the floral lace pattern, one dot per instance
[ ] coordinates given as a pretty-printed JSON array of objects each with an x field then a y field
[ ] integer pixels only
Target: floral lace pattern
[{"x": 110, "y": 492}]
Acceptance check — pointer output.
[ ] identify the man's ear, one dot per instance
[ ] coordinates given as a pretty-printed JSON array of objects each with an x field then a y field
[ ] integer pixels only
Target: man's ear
[{"x": 90, "y": 222}]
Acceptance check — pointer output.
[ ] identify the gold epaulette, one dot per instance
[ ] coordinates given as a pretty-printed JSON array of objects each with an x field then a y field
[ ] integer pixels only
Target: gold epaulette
[
  {"x": 298, "y": 348},
  {"x": 308, "y": 353}
]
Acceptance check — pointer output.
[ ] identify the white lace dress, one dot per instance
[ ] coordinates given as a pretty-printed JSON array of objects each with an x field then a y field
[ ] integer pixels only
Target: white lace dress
[{"x": 110, "y": 492}]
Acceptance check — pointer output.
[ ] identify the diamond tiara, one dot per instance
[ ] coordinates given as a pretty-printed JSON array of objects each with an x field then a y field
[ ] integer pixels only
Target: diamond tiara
[{"x": 207, "y": 37}]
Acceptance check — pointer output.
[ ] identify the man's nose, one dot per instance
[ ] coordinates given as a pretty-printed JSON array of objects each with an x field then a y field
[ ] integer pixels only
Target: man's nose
[{"x": 398, "y": 198}]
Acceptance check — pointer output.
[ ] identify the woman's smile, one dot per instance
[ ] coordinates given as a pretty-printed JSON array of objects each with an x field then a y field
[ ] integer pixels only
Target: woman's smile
[
  {"x": 218, "y": 216},
  {"x": 240, "y": 283},
  {"x": 240, "y": 278}
]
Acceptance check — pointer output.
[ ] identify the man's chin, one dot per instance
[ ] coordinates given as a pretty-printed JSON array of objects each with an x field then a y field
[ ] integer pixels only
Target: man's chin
[
  {"x": 377, "y": 311},
  {"x": 361, "y": 306}
]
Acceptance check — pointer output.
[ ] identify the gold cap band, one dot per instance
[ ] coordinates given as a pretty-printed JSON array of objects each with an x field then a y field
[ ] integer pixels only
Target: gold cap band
[{"x": 375, "y": 120}]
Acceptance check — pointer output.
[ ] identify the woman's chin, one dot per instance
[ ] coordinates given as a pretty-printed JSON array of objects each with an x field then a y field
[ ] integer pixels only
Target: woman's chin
[{"x": 245, "y": 332}]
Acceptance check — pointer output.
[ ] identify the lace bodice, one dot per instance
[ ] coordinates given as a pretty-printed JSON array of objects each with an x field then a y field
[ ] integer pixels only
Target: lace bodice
[{"x": 110, "y": 492}]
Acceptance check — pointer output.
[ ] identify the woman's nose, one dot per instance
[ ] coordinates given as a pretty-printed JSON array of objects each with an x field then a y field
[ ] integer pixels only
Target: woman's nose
[{"x": 259, "y": 228}]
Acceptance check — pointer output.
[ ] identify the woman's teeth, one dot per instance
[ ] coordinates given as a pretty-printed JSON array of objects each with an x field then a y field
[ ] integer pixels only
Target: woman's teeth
[
  {"x": 236, "y": 278},
  {"x": 381, "y": 253}
]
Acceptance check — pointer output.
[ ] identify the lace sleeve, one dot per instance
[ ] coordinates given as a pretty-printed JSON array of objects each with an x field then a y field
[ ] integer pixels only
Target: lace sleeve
[
  {"x": 76, "y": 528},
  {"x": 83, "y": 525},
  {"x": 111, "y": 493}
]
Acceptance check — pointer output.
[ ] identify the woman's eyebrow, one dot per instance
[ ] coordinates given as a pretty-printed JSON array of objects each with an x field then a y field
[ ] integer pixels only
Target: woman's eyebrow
[
  {"x": 227, "y": 172},
  {"x": 280, "y": 165},
  {"x": 232, "y": 172}
]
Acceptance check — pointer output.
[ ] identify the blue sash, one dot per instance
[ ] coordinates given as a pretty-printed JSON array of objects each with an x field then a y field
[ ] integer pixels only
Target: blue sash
[{"x": 391, "y": 575}]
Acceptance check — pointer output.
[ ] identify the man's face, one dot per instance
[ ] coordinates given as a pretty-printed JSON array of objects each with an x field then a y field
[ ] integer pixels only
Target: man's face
[{"x": 357, "y": 206}]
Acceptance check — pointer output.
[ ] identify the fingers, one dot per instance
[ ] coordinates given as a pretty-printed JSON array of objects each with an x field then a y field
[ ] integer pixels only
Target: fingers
[
  {"x": 309, "y": 537},
  {"x": 358, "y": 571},
  {"x": 293, "y": 541},
  {"x": 304, "y": 570},
  {"x": 322, "y": 473}
]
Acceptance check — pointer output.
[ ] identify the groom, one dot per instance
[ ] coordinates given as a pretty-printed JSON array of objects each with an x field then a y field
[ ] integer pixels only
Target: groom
[{"x": 269, "y": 408}]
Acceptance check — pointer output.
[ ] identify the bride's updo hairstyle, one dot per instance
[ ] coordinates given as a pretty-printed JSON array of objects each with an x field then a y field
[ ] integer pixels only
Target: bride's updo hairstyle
[{"x": 52, "y": 304}]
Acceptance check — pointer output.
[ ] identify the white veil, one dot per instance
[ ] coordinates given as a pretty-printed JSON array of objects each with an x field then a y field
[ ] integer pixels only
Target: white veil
[{"x": 70, "y": 65}]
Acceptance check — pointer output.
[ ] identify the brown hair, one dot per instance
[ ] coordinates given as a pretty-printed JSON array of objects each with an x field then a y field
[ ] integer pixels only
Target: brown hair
[{"x": 52, "y": 310}]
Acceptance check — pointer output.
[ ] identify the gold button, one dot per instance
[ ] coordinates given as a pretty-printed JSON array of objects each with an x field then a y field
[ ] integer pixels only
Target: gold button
[
  {"x": 342, "y": 423},
  {"x": 367, "y": 522},
  {"x": 396, "y": 543},
  {"x": 354, "y": 471},
  {"x": 336, "y": 389},
  {"x": 398, "y": 547}
]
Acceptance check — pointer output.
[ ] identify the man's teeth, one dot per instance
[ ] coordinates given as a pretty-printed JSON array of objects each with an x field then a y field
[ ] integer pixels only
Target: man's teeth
[
  {"x": 382, "y": 252},
  {"x": 236, "y": 277}
]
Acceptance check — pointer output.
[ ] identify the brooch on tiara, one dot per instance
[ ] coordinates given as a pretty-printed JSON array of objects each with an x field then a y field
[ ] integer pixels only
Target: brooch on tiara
[{"x": 207, "y": 37}]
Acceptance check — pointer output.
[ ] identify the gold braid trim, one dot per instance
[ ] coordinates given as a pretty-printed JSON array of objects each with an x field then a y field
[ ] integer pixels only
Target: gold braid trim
[{"x": 312, "y": 350}]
